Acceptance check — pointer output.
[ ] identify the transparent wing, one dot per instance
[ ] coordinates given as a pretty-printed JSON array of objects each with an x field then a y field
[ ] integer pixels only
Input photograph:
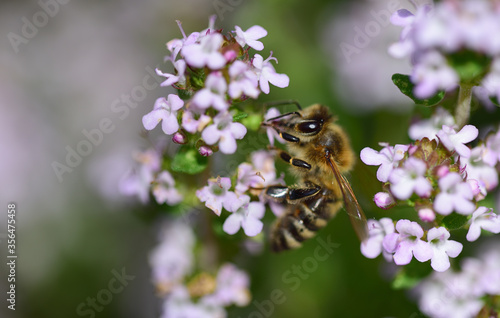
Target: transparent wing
[{"x": 351, "y": 205}]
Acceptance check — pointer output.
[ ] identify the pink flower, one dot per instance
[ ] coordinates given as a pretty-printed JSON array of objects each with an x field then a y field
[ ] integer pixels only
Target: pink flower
[
  {"x": 166, "y": 111},
  {"x": 407, "y": 243},
  {"x": 205, "y": 53},
  {"x": 250, "y": 37},
  {"x": 270, "y": 131},
  {"x": 164, "y": 189},
  {"x": 191, "y": 124},
  {"x": 180, "y": 78},
  {"x": 172, "y": 259},
  {"x": 213, "y": 94},
  {"x": 138, "y": 181},
  {"x": 232, "y": 287},
  {"x": 224, "y": 131},
  {"x": 179, "y": 304},
  {"x": 267, "y": 74},
  {"x": 216, "y": 194},
  {"x": 243, "y": 81},
  {"x": 483, "y": 218},
  {"x": 479, "y": 170},
  {"x": 456, "y": 195},
  {"x": 411, "y": 178},
  {"x": 491, "y": 151},
  {"x": 245, "y": 215},
  {"x": 387, "y": 158},
  {"x": 455, "y": 141},
  {"x": 432, "y": 74},
  {"x": 442, "y": 248},
  {"x": 430, "y": 127},
  {"x": 377, "y": 230},
  {"x": 176, "y": 45},
  {"x": 260, "y": 173}
]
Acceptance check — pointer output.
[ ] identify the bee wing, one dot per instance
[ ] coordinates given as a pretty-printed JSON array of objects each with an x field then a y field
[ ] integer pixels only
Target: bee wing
[{"x": 351, "y": 205}]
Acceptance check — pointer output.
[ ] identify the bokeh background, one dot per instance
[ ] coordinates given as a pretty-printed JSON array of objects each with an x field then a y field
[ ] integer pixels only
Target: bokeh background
[{"x": 72, "y": 233}]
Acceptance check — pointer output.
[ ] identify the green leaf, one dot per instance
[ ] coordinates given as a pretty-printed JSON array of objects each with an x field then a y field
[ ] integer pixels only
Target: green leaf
[
  {"x": 188, "y": 160},
  {"x": 455, "y": 221},
  {"x": 406, "y": 87}
]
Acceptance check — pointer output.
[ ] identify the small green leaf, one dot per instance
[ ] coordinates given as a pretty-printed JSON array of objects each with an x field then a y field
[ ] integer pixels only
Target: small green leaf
[
  {"x": 406, "y": 87},
  {"x": 403, "y": 281},
  {"x": 455, "y": 221},
  {"x": 188, "y": 160},
  {"x": 239, "y": 116}
]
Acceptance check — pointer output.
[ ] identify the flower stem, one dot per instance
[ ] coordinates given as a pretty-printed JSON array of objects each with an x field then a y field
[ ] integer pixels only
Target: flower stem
[{"x": 462, "y": 112}]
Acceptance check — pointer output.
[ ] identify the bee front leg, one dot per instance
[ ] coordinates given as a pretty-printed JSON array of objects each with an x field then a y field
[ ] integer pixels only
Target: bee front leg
[
  {"x": 282, "y": 134},
  {"x": 294, "y": 161}
]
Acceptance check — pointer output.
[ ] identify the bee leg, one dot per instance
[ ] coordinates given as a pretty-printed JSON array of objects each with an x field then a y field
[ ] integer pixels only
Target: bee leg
[
  {"x": 282, "y": 134},
  {"x": 294, "y": 161},
  {"x": 292, "y": 194},
  {"x": 284, "y": 115}
]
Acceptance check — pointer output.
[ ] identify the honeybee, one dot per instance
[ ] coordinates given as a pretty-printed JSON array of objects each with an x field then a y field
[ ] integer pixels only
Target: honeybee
[{"x": 319, "y": 152}]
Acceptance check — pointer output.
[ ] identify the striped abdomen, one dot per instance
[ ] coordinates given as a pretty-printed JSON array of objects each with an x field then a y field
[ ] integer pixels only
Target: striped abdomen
[{"x": 303, "y": 220}]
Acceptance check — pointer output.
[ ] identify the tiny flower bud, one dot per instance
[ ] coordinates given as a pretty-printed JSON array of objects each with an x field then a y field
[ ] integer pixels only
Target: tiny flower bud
[
  {"x": 230, "y": 55},
  {"x": 179, "y": 138},
  {"x": 205, "y": 151},
  {"x": 383, "y": 200},
  {"x": 442, "y": 171},
  {"x": 426, "y": 215}
]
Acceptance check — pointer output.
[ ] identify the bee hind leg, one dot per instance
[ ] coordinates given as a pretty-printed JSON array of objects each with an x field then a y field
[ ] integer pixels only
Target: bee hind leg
[{"x": 292, "y": 194}]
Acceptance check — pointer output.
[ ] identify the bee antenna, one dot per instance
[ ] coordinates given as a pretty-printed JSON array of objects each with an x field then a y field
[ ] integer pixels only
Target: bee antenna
[{"x": 283, "y": 102}]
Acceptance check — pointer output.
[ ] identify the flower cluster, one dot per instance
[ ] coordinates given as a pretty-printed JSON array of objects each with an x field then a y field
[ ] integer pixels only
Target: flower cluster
[
  {"x": 453, "y": 43},
  {"x": 444, "y": 180},
  {"x": 148, "y": 177},
  {"x": 462, "y": 294},
  {"x": 213, "y": 72},
  {"x": 189, "y": 292},
  {"x": 250, "y": 180}
]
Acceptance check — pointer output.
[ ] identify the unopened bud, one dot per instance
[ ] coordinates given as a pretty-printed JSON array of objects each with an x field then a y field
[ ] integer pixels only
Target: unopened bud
[
  {"x": 442, "y": 171},
  {"x": 426, "y": 215},
  {"x": 179, "y": 138},
  {"x": 205, "y": 151},
  {"x": 230, "y": 55},
  {"x": 383, "y": 200}
]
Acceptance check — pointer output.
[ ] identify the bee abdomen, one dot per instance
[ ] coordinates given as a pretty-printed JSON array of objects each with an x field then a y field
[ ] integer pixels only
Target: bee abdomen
[{"x": 296, "y": 226}]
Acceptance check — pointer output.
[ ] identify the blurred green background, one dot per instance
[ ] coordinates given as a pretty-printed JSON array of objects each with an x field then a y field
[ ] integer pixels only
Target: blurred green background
[{"x": 65, "y": 78}]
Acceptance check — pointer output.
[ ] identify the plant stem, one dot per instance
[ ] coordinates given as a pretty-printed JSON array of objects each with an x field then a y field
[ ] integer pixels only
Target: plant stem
[{"x": 462, "y": 112}]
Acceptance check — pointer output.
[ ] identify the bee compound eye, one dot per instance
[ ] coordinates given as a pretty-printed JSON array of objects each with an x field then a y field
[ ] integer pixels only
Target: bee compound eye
[{"x": 309, "y": 127}]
